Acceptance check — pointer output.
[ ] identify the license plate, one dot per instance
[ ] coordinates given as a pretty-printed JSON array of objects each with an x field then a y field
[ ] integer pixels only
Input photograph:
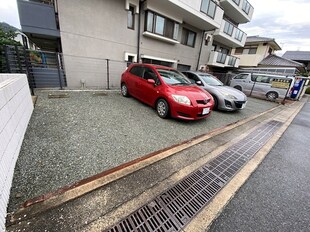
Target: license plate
[{"x": 205, "y": 111}]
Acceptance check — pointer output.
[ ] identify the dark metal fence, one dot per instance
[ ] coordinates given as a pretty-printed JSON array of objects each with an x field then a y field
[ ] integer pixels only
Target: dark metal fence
[{"x": 44, "y": 69}]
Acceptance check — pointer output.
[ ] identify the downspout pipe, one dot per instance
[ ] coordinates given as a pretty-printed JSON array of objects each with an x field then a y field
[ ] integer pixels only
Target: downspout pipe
[
  {"x": 200, "y": 49},
  {"x": 139, "y": 29}
]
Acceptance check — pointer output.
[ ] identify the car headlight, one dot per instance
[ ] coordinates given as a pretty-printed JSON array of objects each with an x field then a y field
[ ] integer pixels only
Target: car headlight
[
  {"x": 181, "y": 99},
  {"x": 228, "y": 95}
]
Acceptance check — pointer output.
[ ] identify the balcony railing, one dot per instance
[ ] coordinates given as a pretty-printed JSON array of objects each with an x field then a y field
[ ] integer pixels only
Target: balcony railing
[
  {"x": 246, "y": 7},
  {"x": 209, "y": 7},
  {"x": 230, "y": 34},
  {"x": 219, "y": 59},
  {"x": 239, "y": 35}
]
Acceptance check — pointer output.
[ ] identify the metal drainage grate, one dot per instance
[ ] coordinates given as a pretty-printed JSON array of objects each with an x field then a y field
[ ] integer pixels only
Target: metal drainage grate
[
  {"x": 174, "y": 208},
  {"x": 61, "y": 95},
  {"x": 99, "y": 94}
]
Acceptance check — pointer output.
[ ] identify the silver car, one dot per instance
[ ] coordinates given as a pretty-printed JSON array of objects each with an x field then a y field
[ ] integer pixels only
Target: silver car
[{"x": 225, "y": 97}]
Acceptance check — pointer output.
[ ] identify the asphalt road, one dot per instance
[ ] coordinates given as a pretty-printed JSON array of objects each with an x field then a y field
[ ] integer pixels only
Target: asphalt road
[
  {"x": 276, "y": 197},
  {"x": 69, "y": 139}
]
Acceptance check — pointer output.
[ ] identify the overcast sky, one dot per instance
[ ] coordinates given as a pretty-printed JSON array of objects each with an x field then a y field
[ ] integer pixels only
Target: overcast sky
[{"x": 288, "y": 21}]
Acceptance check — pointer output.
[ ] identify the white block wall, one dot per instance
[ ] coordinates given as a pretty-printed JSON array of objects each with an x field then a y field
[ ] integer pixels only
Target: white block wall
[{"x": 15, "y": 111}]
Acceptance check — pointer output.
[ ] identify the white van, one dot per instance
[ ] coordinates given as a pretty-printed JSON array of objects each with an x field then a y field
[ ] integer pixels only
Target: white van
[{"x": 263, "y": 85}]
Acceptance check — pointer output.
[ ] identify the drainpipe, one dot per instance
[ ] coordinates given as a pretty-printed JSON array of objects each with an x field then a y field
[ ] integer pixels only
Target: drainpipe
[
  {"x": 199, "y": 55},
  {"x": 139, "y": 29}
]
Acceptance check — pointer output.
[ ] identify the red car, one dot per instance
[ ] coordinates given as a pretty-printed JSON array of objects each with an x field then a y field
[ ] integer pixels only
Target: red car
[{"x": 167, "y": 90}]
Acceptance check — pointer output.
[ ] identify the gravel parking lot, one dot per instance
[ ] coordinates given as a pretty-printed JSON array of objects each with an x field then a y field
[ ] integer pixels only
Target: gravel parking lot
[{"x": 69, "y": 139}]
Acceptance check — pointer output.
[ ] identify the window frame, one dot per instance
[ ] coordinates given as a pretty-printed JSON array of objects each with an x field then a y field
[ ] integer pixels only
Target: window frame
[
  {"x": 152, "y": 26},
  {"x": 185, "y": 37},
  {"x": 131, "y": 12}
]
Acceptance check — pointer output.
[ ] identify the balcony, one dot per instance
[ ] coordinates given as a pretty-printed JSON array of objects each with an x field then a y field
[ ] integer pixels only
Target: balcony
[
  {"x": 222, "y": 60},
  {"x": 39, "y": 22},
  {"x": 230, "y": 35},
  {"x": 202, "y": 14},
  {"x": 241, "y": 11}
]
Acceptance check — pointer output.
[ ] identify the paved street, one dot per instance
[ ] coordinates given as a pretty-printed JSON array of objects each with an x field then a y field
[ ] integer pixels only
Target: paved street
[
  {"x": 69, "y": 139},
  {"x": 276, "y": 197}
]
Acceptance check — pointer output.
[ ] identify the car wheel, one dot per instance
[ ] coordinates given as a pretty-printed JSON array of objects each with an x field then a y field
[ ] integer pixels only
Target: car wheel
[
  {"x": 216, "y": 103},
  {"x": 272, "y": 96},
  {"x": 162, "y": 108},
  {"x": 238, "y": 87},
  {"x": 124, "y": 90}
]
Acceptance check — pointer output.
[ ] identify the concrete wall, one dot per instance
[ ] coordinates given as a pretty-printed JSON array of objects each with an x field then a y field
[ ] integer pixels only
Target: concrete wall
[
  {"x": 95, "y": 30},
  {"x": 15, "y": 111}
]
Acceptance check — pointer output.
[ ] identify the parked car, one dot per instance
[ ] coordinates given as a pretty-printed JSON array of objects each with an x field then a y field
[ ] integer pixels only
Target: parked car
[
  {"x": 167, "y": 90},
  {"x": 225, "y": 97},
  {"x": 263, "y": 85}
]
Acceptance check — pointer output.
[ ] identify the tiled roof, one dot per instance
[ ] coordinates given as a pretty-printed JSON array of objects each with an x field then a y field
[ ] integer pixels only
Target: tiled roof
[
  {"x": 273, "y": 60},
  {"x": 258, "y": 39},
  {"x": 297, "y": 55}
]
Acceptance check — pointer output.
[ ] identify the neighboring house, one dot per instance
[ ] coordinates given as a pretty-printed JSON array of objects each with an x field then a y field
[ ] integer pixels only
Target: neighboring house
[
  {"x": 299, "y": 56},
  {"x": 278, "y": 65},
  {"x": 255, "y": 50},
  {"x": 185, "y": 34}
]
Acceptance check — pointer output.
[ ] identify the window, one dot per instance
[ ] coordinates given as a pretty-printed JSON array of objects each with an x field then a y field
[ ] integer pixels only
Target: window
[
  {"x": 131, "y": 18},
  {"x": 137, "y": 71},
  {"x": 262, "y": 79},
  {"x": 188, "y": 37},
  {"x": 161, "y": 25},
  {"x": 228, "y": 28},
  {"x": 246, "y": 7},
  {"x": 239, "y": 51},
  {"x": 183, "y": 67},
  {"x": 250, "y": 50},
  {"x": 208, "y": 7},
  {"x": 241, "y": 76}
]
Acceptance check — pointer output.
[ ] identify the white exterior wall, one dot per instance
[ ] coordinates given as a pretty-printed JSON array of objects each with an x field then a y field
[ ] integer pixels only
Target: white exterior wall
[
  {"x": 15, "y": 111},
  {"x": 252, "y": 60},
  {"x": 95, "y": 30}
]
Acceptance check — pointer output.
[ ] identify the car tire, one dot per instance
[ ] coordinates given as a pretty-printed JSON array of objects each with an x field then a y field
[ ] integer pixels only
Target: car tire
[
  {"x": 272, "y": 96},
  {"x": 124, "y": 90},
  {"x": 216, "y": 103},
  {"x": 238, "y": 87},
  {"x": 162, "y": 108}
]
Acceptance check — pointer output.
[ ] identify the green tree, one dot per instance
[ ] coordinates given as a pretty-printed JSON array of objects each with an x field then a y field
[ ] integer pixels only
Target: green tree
[{"x": 7, "y": 35}]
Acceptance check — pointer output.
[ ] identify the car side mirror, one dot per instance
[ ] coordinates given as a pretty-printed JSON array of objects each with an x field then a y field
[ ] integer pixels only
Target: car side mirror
[
  {"x": 151, "y": 81},
  {"x": 199, "y": 83}
]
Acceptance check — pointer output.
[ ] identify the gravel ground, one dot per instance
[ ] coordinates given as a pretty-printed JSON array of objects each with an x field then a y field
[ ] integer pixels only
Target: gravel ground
[{"x": 69, "y": 139}]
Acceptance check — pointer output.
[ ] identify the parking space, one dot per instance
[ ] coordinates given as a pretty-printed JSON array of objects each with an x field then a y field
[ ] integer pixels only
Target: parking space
[{"x": 72, "y": 138}]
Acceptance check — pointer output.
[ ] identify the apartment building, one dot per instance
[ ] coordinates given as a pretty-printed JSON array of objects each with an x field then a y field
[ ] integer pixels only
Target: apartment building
[{"x": 185, "y": 34}]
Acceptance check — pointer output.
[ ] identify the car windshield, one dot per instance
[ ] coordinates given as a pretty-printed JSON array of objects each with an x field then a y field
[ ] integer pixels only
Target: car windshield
[
  {"x": 210, "y": 80},
  {"x": 173, "y": 77}
]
